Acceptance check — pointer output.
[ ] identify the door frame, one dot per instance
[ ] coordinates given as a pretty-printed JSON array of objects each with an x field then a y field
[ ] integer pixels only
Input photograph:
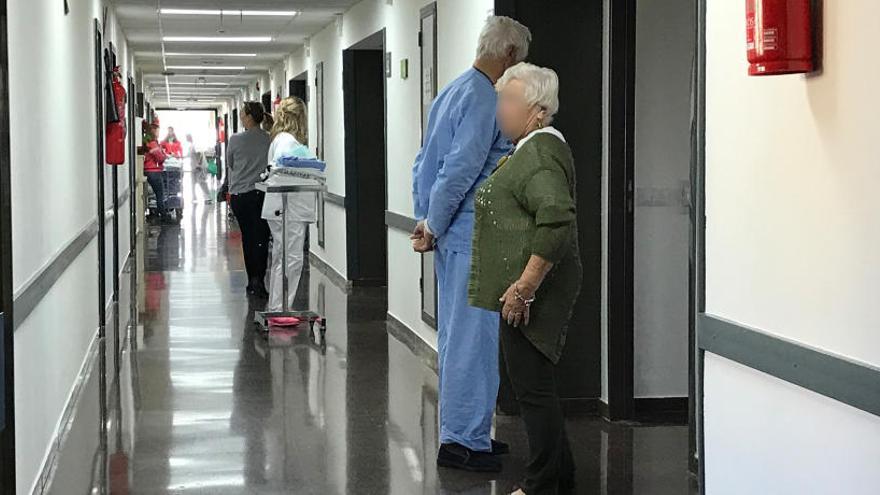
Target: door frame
[
  {"x": 621, "y": 194},
  {"x": 100, "y": 126},
  {"x": 697, "y": 458},
  {"x": 620, "y": 207},
  {"x": 7, "y": 348},
  {"x": 318, "y": 145},
  {"x": 134, "y": 135},
  {"x": 427, "y": 11}
]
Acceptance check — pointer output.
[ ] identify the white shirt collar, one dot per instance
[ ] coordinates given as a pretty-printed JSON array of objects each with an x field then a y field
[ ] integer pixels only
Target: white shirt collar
[{"x": 544, "y": 130}]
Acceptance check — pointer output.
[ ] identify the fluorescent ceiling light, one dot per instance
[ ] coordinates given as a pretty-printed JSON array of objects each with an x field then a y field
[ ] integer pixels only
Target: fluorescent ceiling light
[
  {"x": 206, "y": 67},
  {"x": 210, "y": 54},
  {"x": 219, "y": 39},
  {"x": 198, "y": 84},
  {"x": 254, "y": 13}
]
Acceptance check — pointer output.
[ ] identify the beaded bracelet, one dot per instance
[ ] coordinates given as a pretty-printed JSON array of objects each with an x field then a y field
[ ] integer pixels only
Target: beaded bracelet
[{"x": 528, "y": 302}]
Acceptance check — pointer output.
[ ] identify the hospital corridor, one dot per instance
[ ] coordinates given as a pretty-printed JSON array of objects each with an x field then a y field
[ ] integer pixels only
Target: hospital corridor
[{"x": 451, "y": 247}]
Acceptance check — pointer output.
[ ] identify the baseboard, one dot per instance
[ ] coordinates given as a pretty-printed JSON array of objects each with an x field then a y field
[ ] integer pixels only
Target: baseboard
[
  {"x": 43, "y": 482},
  {"x": 330, "y": 272},
  {"x": 671, "y": 410},
  {"x": 406, "y": 336},
  {"x": 46, "y": 479}
]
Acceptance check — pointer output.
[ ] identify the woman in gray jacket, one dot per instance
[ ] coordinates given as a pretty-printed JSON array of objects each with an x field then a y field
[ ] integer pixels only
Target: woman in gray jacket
[{"x": 246, "y": 160}]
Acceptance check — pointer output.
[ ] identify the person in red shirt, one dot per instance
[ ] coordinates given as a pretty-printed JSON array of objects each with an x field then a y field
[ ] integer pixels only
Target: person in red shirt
[
  {"x": 154, "y": 169},
  {"x": 171, "y": 145}
]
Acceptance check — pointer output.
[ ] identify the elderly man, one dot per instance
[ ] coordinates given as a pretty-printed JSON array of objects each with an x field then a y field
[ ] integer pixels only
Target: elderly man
[{"x": 461, "y": 148}]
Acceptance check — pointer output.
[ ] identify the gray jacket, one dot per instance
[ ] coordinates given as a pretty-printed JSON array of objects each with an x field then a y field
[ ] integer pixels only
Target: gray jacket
[{"x": 247, "y": 157}]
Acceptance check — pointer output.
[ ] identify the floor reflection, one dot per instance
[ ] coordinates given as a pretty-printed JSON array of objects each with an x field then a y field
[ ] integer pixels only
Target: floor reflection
[{"x": 210, "y": 405}]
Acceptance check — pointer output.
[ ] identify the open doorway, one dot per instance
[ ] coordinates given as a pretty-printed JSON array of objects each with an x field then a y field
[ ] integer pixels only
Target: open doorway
[
  {"x": 665, "y": 46},
  {"x": 267, "y": 101},
  {"x": 649, "y": 208},
  {"x": 365, "y": 174},
  {"x": 652, "y": 183},
  {"x": 299, "y": 86}
]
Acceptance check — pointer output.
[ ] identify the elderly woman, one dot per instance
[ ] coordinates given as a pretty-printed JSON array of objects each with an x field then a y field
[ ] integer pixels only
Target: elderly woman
[{"x": 526, "y": 264}]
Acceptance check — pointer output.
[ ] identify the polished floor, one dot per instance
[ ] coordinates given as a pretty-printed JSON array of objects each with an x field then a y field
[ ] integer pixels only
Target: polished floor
[{"x": 207, "y": 404}]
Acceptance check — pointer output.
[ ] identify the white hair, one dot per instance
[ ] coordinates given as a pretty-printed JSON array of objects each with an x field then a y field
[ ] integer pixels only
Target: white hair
[
  {"x": 499, "y": 35},
  {"x": 541, "y": 86}
]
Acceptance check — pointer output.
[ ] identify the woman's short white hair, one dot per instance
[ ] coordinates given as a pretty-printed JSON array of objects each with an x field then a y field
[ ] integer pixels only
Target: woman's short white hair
[
  {"x": 541, "y": 86},
  {"x": 499, "y": 35}
]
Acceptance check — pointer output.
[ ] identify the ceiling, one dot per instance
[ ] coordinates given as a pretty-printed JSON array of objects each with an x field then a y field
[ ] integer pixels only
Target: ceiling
[{"x": 190, "y": 62}]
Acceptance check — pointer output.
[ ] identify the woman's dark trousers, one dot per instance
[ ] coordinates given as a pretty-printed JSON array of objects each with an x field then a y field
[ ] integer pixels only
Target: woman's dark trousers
[
  {"x": 248, "y": 209},
  {"x": 550, "y": 470}
]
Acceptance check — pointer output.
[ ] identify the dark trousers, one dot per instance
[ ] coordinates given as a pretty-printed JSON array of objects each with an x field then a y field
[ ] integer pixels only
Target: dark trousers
[
  {"x": 157, "y": 183},
  {"x": 550, "y": 470},
  {"x": 248, "y": 208}
]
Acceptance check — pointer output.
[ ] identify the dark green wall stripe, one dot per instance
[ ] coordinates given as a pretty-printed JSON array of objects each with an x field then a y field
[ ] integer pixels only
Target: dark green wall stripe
[
  {"x": 27, "y": 300},
  {"x": 855, "y": 384},
  {"x": 338, "y": 280},
  {"x": 334, "y": 199},
  {"x": 399, "y": 222}
]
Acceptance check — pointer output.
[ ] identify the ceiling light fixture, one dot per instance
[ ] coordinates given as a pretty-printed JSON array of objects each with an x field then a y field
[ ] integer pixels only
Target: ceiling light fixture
[
  {"x": 218, "y": 39},
  {"x": 249, "y": 13},
  {"x": 206, "y": 67},
  {"x": 210, "y": 54},
  {"x": 199, "y": 84}
]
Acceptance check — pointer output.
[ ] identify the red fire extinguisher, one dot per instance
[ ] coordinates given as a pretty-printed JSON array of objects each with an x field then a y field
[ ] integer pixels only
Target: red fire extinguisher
[
  {"x": 779, "y": 37},
  {"x": 221, "y": 131},
  {"x": 116, "y": 129}
]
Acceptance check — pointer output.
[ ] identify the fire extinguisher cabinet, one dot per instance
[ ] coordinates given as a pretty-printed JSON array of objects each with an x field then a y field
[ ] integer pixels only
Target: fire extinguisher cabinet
[{"x": 779, "y": 37}]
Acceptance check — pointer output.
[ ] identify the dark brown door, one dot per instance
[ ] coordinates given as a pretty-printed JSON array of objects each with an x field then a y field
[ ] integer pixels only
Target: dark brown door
[
  {"x": 575, "y": 27},
  {"x": 364, "y": 90}
]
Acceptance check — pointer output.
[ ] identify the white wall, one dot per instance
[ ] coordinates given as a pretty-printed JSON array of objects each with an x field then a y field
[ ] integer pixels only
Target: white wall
[
  {"x": 791, "y": 247},
  {"x": 459, "y": 23},
  {"x": 53, "y": 199}
]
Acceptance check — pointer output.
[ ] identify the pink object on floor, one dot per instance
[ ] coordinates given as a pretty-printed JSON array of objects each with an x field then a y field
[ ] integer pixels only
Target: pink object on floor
[{"x": 284, "y": 321}]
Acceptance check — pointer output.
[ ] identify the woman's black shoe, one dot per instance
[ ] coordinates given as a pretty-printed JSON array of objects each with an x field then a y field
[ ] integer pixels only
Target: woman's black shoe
[{"x": 456, "y": 456}]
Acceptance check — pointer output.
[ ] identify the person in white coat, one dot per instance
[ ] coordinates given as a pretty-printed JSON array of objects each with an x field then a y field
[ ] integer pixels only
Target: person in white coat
[
  {"x": 289, "y": 135},
  {"x": 198, "y": 168}
]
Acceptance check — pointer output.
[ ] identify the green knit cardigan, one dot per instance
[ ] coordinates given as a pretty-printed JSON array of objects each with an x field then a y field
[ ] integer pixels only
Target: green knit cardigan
[{"x": 528, "y": 207}]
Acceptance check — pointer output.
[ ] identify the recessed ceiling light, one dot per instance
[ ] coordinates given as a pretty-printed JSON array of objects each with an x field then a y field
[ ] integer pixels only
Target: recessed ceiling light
[
  {"x": 254, "y": 13},
  {"x": 206, "y": 67},
  {"x": 219, "y": 39},
  {"x": 210, "y": 54}
]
